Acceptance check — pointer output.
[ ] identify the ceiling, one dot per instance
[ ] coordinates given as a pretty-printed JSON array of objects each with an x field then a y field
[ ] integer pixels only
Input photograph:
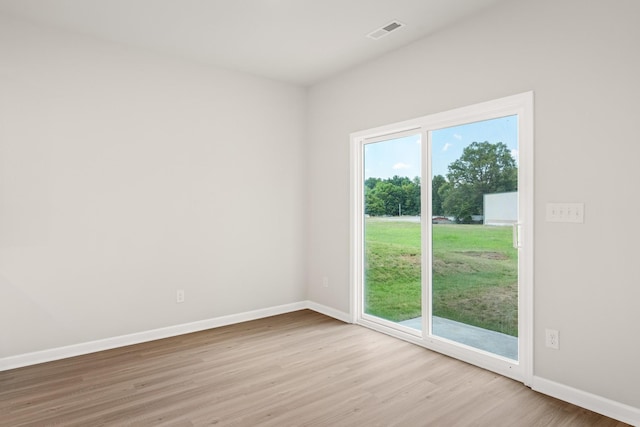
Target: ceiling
[{"x": 296, "y": 41}]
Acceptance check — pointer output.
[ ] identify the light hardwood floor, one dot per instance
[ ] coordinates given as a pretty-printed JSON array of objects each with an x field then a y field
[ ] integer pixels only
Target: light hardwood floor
[{"x": 297, "y": 369}]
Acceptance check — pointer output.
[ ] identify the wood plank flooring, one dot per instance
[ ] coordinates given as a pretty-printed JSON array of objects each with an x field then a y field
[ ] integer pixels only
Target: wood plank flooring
[{"x": 297, "y": 369}]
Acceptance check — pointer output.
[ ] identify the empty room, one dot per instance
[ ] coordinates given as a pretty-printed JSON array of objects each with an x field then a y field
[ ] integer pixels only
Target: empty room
[{"x": 299, "y": 212}]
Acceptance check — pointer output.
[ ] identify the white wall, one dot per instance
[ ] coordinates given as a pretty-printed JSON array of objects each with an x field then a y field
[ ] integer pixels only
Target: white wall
[
  {"x": 582, "y": 60},
  {"x": 120, "y": 182},
  {"x": 125, "y": 176}
]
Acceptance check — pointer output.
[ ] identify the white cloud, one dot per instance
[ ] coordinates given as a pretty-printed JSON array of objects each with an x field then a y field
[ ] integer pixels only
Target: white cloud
[
  {"x": 401, "y": 166},
  {"x": 516, "y": 155},
  {"x": 457, "y": 136},
  {"x": 446, "y": 146}
]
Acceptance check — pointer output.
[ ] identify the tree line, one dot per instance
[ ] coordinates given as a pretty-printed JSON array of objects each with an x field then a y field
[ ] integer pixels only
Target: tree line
[{"x": 483, "y": 168}]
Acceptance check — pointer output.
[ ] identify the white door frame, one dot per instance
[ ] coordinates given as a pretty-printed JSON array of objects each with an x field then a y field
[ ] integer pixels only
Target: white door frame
[{"x": 521, "y": 105}]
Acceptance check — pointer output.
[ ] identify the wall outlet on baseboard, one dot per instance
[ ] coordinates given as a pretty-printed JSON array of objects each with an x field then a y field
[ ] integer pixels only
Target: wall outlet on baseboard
[
  {"x": 552, "y": 338},
  {"x": 180, "y": 295}
]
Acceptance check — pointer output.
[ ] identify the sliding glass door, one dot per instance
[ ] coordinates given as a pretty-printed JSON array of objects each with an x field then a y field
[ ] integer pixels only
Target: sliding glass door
[
  {"x": 392, "y": 285},
  {"x": 474, "y": 206},
  {"x": 442, "y": 235}
]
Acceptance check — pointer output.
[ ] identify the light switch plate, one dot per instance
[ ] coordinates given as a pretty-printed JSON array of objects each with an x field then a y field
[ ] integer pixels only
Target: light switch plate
[{"x": 565, "y": 212}]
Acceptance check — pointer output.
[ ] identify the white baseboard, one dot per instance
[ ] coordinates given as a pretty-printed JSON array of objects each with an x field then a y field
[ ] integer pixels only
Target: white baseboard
[
  {"x": 49, "y": 355},
  {"x": 601, "y": 405},
  {"x": 328, "y": 311},
  {"x": 592, "y": 402}
]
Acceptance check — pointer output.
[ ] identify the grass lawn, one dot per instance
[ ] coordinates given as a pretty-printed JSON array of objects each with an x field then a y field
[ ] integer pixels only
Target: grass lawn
[{"x": 474, "y": 273}]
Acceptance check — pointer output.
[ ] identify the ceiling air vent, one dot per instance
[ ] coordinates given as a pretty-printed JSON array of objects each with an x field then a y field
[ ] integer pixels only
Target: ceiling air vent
[{"x": 381, "y": 32}]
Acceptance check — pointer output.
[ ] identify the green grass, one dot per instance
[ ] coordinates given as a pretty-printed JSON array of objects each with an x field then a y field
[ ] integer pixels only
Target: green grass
[{"x": 474, "y": 273}]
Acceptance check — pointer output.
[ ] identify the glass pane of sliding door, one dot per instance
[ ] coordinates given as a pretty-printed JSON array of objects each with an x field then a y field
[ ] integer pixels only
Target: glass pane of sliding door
[
  {"x": 442, "y": 232},
  {"x": 392, "y": 290},
  {"x": 474, "y": 262}
]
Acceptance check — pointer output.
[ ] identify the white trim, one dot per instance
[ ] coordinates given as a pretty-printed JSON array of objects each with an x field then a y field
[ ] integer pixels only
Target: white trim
[
  {"x": 602, "y": 405},
  {"x": 526, "y": 216},
  {"x": 329, "y": 311},
  {"x": 355, "y": 226},
  {"x": 592, "y": 402},
  {"x": 411, "y": 131},
  {"x": 520, "y": 105},
  {"x": 479, "y": 358},
  {"x": 58, "y": 353}
]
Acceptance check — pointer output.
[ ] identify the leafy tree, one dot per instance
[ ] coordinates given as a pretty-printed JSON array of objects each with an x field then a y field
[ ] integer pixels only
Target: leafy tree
[
  {"x": 399, "y": 181},
  {"x": 371, "y": 182},
  {"x": 483, "y": 168},
  {"x": 373, "y": 204},
  {"x": 411, "y": 204},
  {"x": 460, "y": 203},
  {"x": 386, "y": 197},
  {"x": 443, "y": 193},
  {"x": 391, "y": 196},
  {"x": 436, "y": 198}
]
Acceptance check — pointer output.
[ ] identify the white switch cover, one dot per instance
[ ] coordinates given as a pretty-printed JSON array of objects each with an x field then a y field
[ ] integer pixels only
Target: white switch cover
[{"x": 565, "y": 212}]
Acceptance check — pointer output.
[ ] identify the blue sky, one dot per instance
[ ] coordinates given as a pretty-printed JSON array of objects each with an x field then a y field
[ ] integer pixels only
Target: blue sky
[
  {"x": 402, "y": 156},
  {"x": 393, "y": 157}
]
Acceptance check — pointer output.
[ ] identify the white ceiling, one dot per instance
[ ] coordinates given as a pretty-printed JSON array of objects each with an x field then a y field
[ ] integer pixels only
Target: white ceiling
[{"x": 296, "y": 41}]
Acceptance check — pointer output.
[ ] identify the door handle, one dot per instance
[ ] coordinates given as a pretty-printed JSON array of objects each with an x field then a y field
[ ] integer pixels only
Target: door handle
[{"x": 516, "y": 235}]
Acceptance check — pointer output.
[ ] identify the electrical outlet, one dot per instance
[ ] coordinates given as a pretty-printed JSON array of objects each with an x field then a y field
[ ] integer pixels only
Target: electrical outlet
[
  {"x": 552, "y": 338},
  {"x": 325, "y": 282},
  {"x": 180, "y": 295}
]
